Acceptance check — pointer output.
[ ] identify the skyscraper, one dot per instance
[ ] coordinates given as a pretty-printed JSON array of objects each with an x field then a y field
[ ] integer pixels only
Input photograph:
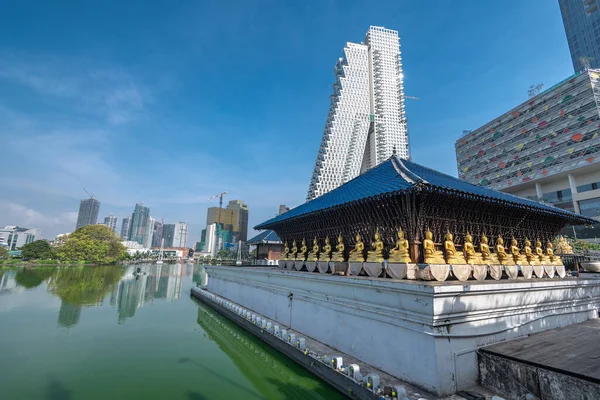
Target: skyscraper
[
  {"x": 125, "y": 227},
  {"x": 240, "y": 218},
  {"x": 180, "y": 238},
  {"x": 157, "y": 234},
  {"x": 88, "y": 212},
  {"x": 366, "y": 121},
  {"x": 581, "y": 19},
  {"x": 111, "y": 222},
  {"x": 169, "y": 234},
  {"x": 225, "y": 216},
  {"x": 139, "y": 222},
  {"x": 148, "y": 233}
]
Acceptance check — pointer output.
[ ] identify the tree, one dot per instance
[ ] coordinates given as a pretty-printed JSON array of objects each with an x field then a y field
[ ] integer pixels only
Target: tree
[
  {"x": 3, "y": 252},
  {"x": 93, "y": 243},
  {"x": 38, "y": 250}
]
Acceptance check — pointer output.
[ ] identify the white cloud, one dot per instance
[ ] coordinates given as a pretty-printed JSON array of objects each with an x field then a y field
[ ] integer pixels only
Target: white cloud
[{"x": 21, "y": 215}]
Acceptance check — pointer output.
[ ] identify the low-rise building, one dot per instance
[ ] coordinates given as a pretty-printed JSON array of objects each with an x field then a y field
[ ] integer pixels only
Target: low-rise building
[
  {"x": 14, "y": 237},
  {"x": 268, "y": 248}
]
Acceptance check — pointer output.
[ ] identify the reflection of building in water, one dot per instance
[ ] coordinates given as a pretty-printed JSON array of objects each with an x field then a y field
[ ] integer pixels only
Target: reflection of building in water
[
  {"x": 68, "y": 315},
  {"x": 133, "y": 291},
  {"x": 7, "y": 281}
]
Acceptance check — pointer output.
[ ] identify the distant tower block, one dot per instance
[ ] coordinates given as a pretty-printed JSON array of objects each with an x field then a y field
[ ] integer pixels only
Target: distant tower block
[{"x": 366, "y": 117}]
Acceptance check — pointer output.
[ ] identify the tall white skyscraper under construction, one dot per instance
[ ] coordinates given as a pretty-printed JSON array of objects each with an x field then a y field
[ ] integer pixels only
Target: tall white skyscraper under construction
[{"x": 366, "y": 116}]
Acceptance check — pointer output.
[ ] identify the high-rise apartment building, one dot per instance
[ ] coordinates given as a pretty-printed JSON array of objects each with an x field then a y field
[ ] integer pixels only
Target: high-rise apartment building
[
  {"x": 240, "y": 219},
  {"x": 139, "y": 222},
  {"x": 224, "y": 216},
  {"x": 168, "y": 234},
  {"x": 125, "y": 227},
  {"x": 546, "y": 149},
  {"x": 111, "y": 222},
  {"x": 157, "y": 234},
  {"x": 366, "y": 121},
  {"x": 88, "y": 213},
  {"x": 148, "y": 233},
  {"x": 581, "y": 19},
  {"x": 180, "y": 238}
]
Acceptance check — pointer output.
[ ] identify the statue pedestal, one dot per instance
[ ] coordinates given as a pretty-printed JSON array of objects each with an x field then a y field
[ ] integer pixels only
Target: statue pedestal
[
  {"x": 550, "y": 270},
  {"x": 439, "y": 272},
  {"x": 323, "y": 266},
  {"x": 538, "y": 270},
  {"x": 354, "y": 268},
  {"x": 310, "y": 266},
  {"x": 560, "y": 271},
  {"x": 461, "y": 272},
  {"x": 480, "y": 272},
  {"x": 281, "y": 264},
  {"x": 527, "y": 271},
  {"x": 373, "y": 269},
  {"x": 512, "y": 271},
  {"x": 397, "y": 270},
  {"x": 298, "y": 264},
  {"x": 339, "y": 267},
  {"x": 412, "y": 271},
  {"x": 496, "y": 271}
]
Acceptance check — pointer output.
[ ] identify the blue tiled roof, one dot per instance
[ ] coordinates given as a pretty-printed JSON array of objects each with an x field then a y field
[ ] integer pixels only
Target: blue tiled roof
[
  {"x": 397, "y": 175},
  {"x": 264, "y": 237}
]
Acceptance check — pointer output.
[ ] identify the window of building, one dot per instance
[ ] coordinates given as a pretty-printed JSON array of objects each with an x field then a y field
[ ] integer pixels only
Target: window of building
[
  {"x": 590, "y": 208},
  {"x": 588, "y": 187},
  {"x": 559, "y": 196}
]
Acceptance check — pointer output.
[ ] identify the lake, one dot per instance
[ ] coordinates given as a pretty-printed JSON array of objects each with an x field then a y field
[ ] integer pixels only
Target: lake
[{"x": 112, "y": 333}]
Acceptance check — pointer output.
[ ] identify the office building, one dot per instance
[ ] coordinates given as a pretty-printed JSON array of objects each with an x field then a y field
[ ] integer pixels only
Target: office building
[
  {"x": 14, "y": 237},
  {"x": 139, "y": 223},
  {"x": 168, "y": 235},
  {"x": 240, "y": 219},
  {"x": 125, "y": 228},
  {"x": 223, "y": 215},
  {"x": 211, "y": 245},
  {"x": 148, "y": 233},
  {"x": 157, "y": 234},
  {"x": 180, "y": 237},
  {"x": 547, "y": 148},
  {"x": 111, "y": 222},
  {"x": 366, "y": 121},
  {"x": 581, "y": 19},
  {"x": 88, "y": 213}
]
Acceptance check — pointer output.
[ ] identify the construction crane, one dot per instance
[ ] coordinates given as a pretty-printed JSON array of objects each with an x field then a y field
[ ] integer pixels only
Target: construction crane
[
  {"x": 88, "y": 193},
  {"x": 220, "y": 196}
]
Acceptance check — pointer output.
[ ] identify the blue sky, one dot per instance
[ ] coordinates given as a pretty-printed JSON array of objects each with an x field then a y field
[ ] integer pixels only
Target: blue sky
[{"x": 169, "y": 103}]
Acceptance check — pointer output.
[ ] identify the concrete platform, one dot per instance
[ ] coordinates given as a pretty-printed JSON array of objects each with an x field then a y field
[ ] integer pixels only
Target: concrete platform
[
  {"x": 424, "y": 333},
  {"x": 559, "y": 363}
]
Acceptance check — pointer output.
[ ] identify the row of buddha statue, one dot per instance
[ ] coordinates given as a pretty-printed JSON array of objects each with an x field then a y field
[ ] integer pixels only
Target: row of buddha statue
[{"x": 401, "y": 254}]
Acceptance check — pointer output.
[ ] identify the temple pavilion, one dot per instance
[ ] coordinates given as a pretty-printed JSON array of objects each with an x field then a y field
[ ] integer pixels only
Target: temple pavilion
[{"x": 401, "y": 194}]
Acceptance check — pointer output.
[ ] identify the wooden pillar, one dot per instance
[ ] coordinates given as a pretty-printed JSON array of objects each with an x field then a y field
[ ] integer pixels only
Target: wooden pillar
[{"x": 413, "y": 249}]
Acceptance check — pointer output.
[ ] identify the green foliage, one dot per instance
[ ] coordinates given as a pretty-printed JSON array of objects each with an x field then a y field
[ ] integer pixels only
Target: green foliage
[
  {"x": 579, "y": 246},
  {"x": 38, "y": 250},
  {"x": 3, "y": 252},
  {"x": 94, "y": 244},
  {"x": 32, "y": 277}
]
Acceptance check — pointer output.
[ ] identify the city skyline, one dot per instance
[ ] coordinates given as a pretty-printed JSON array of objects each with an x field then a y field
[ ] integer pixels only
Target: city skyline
[
  {"x": 84, "y": 104},
  {"x": 366, "y": 121}
]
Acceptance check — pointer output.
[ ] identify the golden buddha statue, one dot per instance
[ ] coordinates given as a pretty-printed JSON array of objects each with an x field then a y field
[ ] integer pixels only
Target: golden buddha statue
[
  {"x": 313, "y": 255},
  {"x": 338, "y": 255},
  {"x": 356, "y": 254},
  {"x": 472, "y": 256},
  {"x": 531, "y": 258},
  {"x": 563, "y": 246},
  {"x": 486, "y": 255},
  {"x": 303, "y": 250},
  {"x": 294, "y": 250},
  {"x": 286, "y": 251},
  {"x": 518, "y": 258},
  {"x": 554, "y": 259},
  {"x": 452, "y": 256},
  {"x": 400, "y": 254},
  {"x": 431, "y": 255},
  {"x": 539, "y": 252},
  {"x": 325, "y": 254},
  {"x": 503, "y": 258},
  {"x": 376, "y": 255}
]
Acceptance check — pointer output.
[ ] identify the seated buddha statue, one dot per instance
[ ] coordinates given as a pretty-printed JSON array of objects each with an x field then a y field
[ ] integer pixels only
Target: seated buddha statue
[
  {"x": 452, "y": 256},
  {"x": 503, "y": 258},
  {"x": 325, "y": 254},
  {"x": 539, "y": 252},
  {"x": 286, "y": 251},
  {"x": 400, "y": 254},
  {"x": 518, "y": 258},
  {"x": 531, "y": 258},
  {"x": 486, "y": 255},
  {"x": 303, "y": 249},
  {"x": 376, "y": 255},
  {"x": 294, "y": 251},
  {"x": 472, "y": 256},
  {"x": 338, "y": 255},
  {"x": 430, "y": 254},
  {"x": 357, "y": 253},
  {"x": 554, "y": 259},
  {"x": 313, "y": 255}
]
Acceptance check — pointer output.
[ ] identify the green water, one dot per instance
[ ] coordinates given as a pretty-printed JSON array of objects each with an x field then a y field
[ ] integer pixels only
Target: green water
[{"x": 108, "y": 333}]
